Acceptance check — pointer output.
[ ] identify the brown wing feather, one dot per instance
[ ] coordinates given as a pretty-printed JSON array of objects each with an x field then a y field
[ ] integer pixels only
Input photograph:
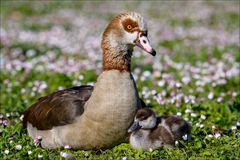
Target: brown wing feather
[{"x": 58, "y": 108}]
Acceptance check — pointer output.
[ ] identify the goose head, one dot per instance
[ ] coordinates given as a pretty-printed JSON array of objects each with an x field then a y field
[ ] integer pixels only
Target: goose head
[
  {"x": 145, "y": 118},
  {"x": 122, "y": 34}
]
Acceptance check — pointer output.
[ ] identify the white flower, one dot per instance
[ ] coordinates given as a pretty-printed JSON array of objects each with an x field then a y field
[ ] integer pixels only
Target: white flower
[
  {"x": 210, "y": 95},
  {"x": 238, "y": 124},
  {"x": 125, "y": 158},
  {"x": 186, "y": 79},
  {"x": 178, "y": 85},
  {"x": 186, "y": 99},
  {"x": 146, "y": 73},
  {"x": 153, "y": 92},
  {"x": 203, "y": 117},
  {"x": 217, "y": 135},
  {"x": 21, "y": 118},
  {"x": 23, "y": 90},
  {"x": 193, "y": 115},
  {"x": 213, "y": 127},
  {"x": 66, "y": 155},
  {"x": 161, "y": 83},
  {"x": 234, "y": 127},
  {"x": 193, "y": 101},
  {"x": 201, "y": 125},
  {"x": 187, "y": 111},
  {"x": 40, "y": 156},
  {"x": 179, "y": 113},
  {"x": 209, "y": 136},
  {"x": 234, "y": 94},
  {"x": 6, "y": 151},
  {"x": 197, "y": 124},
  {"x": 185, "y": 137},
  {"x": 18, "y": 147},
  {"x": 219, "y": 99},
  {"x": 150, "y": 149},
  {"x": 29, "y": 152},
  {"x": 8, "y": 115},
  {"x": 43, "y": 86},
  {"x": 67, "y": 147},
  {"x": 214, "y": 84},
  {"x": 81, "y": 77},
  {"x": 63, "y": 154},
  {"x": 176, "y": 143},
  {"x": 148, "y": 101}
]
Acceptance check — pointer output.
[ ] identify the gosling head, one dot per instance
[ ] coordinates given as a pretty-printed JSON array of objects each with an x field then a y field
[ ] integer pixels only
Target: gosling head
[
  {"x": 126, "y": 31},
  {"x": 145, "y": 118}
]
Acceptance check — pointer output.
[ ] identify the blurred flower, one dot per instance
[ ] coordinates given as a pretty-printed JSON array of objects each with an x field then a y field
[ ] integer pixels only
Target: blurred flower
[
  {"x": 210, "y": 95},
  {"x": 161, "y": 83},
  {"x": 40, "y": 156},
  {"x": 4, "y": 123},
  {"x": 188, "y": 111},
  {"x": 29, "y": 152},
  {"x": 37, "y": 140},
  {"x": 18, "y": 147},
  {"x": 176, "y": 143},
  {"x": 193, "y": 115},
  {"x": 8, "y": 115},
  {"x": 217, "y": 135},
  {"x": 219, "y": 99},
  {"x": 203, "y": 117},
  {"x": 66, "y": 155},
  {"x": 234, "y": 94},
  {"x": 21, "y": 117},
  {"x": 209, "y": 136},
  {"x": 179, "y": 113},
  {"x": 67, "y": 147},
  {"x": 234, "y": 127},
  {"x": 125, "y": 158},
  {"x": 185, "y": 137},
  {"x": 6, "y": 151}
]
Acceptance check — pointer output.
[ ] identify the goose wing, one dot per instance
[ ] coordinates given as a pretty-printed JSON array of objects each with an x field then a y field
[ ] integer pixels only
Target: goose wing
[{"x": 59, "y": 108}]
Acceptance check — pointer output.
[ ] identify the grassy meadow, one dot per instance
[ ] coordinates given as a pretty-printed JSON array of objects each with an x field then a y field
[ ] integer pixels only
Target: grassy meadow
[{"x": 51, "y": 45}]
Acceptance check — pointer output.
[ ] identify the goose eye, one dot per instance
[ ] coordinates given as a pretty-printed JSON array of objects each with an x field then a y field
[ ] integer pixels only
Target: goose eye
[{"x": 129, "y": 27}]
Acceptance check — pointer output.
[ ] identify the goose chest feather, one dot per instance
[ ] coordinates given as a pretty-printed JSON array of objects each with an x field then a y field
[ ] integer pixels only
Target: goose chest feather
[{"x": 87, "y": 117}]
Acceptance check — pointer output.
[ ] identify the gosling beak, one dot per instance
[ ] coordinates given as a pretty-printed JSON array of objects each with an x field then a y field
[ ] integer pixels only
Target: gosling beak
[
  {"x": 144, "y": 44},
  {"x": 135, "y": 126}
]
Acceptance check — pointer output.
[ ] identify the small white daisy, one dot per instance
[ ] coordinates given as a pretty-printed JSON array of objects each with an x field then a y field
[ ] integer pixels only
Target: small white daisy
[
  {"x": 6, "y": 151},
  {"x": 18, "y": 147}
]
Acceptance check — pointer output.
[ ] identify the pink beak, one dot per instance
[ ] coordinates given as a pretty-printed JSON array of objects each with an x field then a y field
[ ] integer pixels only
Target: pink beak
[{"x": 144, "y": 44}]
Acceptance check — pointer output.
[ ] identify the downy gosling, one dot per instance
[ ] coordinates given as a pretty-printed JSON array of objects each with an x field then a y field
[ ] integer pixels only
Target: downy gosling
[{"x": 149, "y": 132}]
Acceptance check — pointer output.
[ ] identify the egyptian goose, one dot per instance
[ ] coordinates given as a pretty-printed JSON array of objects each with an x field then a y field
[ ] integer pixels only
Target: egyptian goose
[
  {"x": 149, "y": 132},
  {"x": 98, "y": 117}
]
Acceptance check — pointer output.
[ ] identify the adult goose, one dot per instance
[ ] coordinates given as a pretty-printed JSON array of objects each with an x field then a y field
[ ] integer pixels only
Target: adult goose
[{"x": 87, "y": 117}]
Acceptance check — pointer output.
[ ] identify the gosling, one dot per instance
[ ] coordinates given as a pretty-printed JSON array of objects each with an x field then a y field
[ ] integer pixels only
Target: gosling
[{"x": 149, "y": 132}]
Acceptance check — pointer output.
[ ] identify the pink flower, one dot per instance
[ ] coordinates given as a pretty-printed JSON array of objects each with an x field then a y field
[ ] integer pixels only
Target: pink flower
[
  {"x": 67, "y": 146},
  {"x": 37, "y": 140}
]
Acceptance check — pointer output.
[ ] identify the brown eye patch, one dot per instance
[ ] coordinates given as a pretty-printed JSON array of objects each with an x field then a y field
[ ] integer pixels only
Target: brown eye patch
[
  {"x": 143, "y": 114},
  {"x": 129, "y": 25}
]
